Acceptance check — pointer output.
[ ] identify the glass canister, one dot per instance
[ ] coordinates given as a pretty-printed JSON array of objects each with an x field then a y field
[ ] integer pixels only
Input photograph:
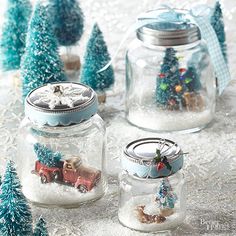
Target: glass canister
[
  {"x": 152, "y": 190},
  {"x": 170, "y": 81},
  {"x": 61, "y": 146}
]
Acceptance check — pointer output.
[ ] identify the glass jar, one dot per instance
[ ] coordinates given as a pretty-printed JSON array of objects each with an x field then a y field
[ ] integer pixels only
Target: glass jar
[
  {"x": 152, "y": 189},
  {"x": 61, "y": 146},
  {"x": 170, "y": 81}
]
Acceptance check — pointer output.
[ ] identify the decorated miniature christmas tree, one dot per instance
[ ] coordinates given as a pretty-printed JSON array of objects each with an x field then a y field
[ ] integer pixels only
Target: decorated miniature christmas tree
[
  {"x": 46, "y": 156},
  {"x": 192, "y": 79},
  {"x": 41, "y": 228},
  {"x": 166, "y": 198},
  {"x": 217, "y": 23},
  {"x": 96, "y": 57},
  {"x": 41, "y": 63},
  {"x": 15, "y": 215},
  {"x": 170, "y": 84},
  {"x": 12, "y": 43}
]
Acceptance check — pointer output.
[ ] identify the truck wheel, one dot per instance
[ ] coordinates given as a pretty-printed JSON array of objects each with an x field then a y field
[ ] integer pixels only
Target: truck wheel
[
  {"x": 82, "y": 188},
  {"x": 43, "y": 179},
  {"x": 56, "y": 176}
]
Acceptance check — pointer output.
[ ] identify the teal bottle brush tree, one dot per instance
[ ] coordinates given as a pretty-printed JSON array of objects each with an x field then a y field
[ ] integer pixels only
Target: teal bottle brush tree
[
  {"x": 96, "y": 57},
  {"x": 12, "y": 42},
  {"x": 176, "y": 88},
  {"x": 217, "y": 23},
  {"x": 68, "y": 24},
  {"x": 166, "y": 198},
  {"x": 41, "y": 228},
  {"x": 41, "y": 63},
  {"x": 15, "y": 215}
]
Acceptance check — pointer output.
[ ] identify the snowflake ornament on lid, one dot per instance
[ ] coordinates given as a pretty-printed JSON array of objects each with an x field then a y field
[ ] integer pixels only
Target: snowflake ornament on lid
[{"x": 56, "y": 95}]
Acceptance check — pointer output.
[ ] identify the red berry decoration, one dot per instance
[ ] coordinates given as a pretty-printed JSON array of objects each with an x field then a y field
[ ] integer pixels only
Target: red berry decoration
[
  {"x": 160, "y": 166},
  {"x": 162, "y": 76},
  {"x": 182, "y": 70}
]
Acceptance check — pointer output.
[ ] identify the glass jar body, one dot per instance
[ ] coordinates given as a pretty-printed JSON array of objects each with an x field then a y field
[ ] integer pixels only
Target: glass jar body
[
  {"x": 78, "y": 177},
  {"x": 169, "y": 89},
  {"x": 152, "y": 205}
]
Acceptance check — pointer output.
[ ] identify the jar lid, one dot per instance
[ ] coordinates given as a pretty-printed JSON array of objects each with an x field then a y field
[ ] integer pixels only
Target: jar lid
[
  {"x": 61, "y": 103},
  {"x": 175, "y": 32},
  {"x": 152, "y": 158}
]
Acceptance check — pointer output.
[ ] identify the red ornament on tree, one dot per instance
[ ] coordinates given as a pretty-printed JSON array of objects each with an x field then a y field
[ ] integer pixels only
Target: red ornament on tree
[
  {"x": 182, "y": 70},
  {"x": 162, "y": 75}
]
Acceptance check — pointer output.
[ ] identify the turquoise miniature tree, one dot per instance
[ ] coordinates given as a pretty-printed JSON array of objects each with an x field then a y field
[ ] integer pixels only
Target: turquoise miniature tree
[
  {"x": 46, "y": 156},
  {"x": 68, "y": 21},
  {"x": 12, "y": 42},
  {"x": 41, "y": 228},
  {"x": 41, "y": 63},
  {"x": 166, "y": 198},
  {"x": 96, "y": 57},
  {"x": 15, "y": 215},
  {"x": 169, "y": 87},
  {"x": 192, "y": 79},
  {"x": 217, "y": 23}
]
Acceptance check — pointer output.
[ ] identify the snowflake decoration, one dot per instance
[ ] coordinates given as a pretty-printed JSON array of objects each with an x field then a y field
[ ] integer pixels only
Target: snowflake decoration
[{"x": 55, "y": 95}]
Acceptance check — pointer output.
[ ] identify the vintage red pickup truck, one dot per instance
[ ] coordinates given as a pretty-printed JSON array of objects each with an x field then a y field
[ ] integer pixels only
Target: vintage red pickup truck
[{"x": 70, "y": 172}]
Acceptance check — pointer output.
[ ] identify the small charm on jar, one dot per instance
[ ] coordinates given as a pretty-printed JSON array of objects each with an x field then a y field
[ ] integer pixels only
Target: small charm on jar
[
  {"x": 152, "y": 186},
  {"x": 61, "y": 146}
]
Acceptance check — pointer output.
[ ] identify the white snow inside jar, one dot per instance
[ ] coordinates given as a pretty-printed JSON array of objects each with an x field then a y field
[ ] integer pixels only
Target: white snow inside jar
[{"x": 61, "y": 146}]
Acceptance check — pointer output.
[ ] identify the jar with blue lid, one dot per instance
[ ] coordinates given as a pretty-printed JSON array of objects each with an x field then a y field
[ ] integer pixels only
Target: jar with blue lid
[
  {"x": 61, "y": 146},
  {"x": 152, "y": 188}
]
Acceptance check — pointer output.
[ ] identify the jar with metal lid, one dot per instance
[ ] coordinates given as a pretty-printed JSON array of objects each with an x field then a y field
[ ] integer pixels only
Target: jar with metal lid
[
  {"x": 170, "y": 81},
  {"x": 61, "y": 146},
  {"x": 152, "y": 190}
]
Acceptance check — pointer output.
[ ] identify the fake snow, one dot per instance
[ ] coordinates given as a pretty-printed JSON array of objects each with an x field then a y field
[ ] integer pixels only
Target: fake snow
[
  {"x": 128, "y": 215},
  {"x": 55, "y": 194},
  {"x": 169, "y": 120}
]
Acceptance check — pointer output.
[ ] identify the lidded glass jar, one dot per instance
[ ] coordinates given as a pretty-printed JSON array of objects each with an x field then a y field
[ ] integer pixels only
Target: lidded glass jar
[
  {"x": 61, "y": 146},
  {"x": 170, "y": 81},
  {"x": 152, "y": 190}
]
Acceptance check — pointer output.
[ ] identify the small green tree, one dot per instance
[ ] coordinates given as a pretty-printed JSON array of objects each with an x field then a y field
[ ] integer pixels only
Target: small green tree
[
  {"x": 169, "y": 87},
  {"x": 41, "y": 228},
  {"x": 68, "y": 21},
  {"x": 12, "y": 42},
  {"x": 217, "y": 23},
  {"x": 166, "y": 198},
  {"x": 192, "y": 79},
  {"x": 41, "y": 63},
  {"x": 96, "y": 57},
  {"x": 15, "y": 215},
  {"x": 46, "y": 156}
]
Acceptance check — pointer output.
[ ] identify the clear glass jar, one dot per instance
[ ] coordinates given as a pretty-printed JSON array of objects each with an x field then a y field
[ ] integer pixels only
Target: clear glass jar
[
  {"x": 170, "y": 81},
  {"x": 152, "y": 200},
  {"x": 61, "y": 146}
]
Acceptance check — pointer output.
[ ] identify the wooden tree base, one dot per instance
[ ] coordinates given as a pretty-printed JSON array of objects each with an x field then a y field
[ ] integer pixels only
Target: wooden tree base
[
  {"x": 166, "y": 212},
  {"x": 102, "y": 98},
  {"x": 71, "y": 62}
]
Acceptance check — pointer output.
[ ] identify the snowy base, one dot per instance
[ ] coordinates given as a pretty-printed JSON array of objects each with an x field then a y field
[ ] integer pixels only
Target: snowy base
[
  {"x": 157, "y": 120},
  {"x": 59, "y": 195},
  {"x": 128, "y": 216}
]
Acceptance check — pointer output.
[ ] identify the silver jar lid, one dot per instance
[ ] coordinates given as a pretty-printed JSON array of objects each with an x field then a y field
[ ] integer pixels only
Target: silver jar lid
[
  {"x": 142, "y": 158},
  {"x": 61, "y": 104},
  {"x": 169, "y": 34}
]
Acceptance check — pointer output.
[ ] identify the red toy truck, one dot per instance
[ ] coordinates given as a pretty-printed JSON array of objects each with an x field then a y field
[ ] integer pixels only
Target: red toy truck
[{"x": 70, "y": 172}]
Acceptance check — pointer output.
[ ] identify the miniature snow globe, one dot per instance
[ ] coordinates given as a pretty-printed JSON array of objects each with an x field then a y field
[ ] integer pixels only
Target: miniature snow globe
[
  {"x": 152, "y": 189},
  {"x": 61, "y": 146},
  {"x": 170, "y": 81}
]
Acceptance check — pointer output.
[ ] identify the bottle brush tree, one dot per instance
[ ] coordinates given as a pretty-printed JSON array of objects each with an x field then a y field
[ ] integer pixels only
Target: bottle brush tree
[
  {"x": 15, "y": 215},
  {"x": 68, "y": 21},
  {"x": 41, "y": 228},
  {"x": 165, "y": 196},
  {"x": 96, "y": 57},
  {"x": 217, "y": 23},
  {"x": 12, "y": 42},
  {"x": 170, "y": 85},
  {"x": 46, "y": 156},
  {"x": 41, "y": 63}
]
